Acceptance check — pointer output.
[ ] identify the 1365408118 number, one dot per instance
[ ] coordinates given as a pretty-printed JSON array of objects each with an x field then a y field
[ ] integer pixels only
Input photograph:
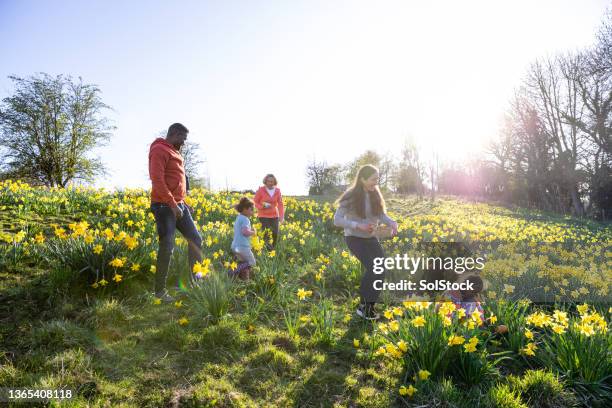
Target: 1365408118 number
[{"x": 8, "y": 394}]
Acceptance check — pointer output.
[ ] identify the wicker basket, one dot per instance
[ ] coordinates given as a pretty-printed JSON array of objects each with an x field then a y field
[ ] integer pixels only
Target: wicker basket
[{"x": 382, "y": 231}]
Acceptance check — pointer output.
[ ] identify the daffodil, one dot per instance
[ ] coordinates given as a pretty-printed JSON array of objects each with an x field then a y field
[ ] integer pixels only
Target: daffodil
[
  {"x": 455, "y": 340},
  {"x": 418, "y": 321},
  {"x": 424, "y": 374},
  {"x": 117, "y": 263},
  {"x": 393, "y": 325},
  {"x": 380, "y": 351},
  {"x": 529, "y": 350},
  {"x": 582, "y": 309},
  {"x": 585, "y": 329},
  {"x": 470, "y": 346},
  {"x": 303, "y": 294},
  {"x": 407, "y": 391},
  {"x": 39, "y": 238}
]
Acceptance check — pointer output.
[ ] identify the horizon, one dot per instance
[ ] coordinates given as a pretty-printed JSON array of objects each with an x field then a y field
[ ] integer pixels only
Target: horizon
[{"x": 267, "y": 87}]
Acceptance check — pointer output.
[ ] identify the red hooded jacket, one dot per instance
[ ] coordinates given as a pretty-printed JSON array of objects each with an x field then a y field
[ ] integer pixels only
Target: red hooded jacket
[
  {"x": 167, "y": 173},
  {"x": 276, "y": 209}
]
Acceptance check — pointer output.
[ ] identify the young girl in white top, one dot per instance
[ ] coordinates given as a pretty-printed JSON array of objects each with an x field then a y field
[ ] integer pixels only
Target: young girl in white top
[{"x": 360, "y": 209}]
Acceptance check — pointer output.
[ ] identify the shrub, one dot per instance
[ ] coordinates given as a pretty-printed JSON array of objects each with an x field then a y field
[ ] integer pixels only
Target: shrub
[
  {"x": 211, "y": 296},
  {"x": 478, "y": 367},
  {"x": 502, "y": 396},
  {"x": 542, "y": 389},
  {"x": 445, "y": 394},
  {"x": 423, "y": 339},
  {"x": 511, "y": 314},
  {"x": 579, "y": 351},
  {"x": 323, "y": 318},
  {"x": 272, "y": 359}
]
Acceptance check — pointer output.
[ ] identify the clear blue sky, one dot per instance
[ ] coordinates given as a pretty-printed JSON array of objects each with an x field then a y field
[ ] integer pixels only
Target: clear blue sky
[{"x": 265, "y": 86}]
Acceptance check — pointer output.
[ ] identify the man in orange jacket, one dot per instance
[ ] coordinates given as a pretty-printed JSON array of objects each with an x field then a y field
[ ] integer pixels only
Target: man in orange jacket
[{"x": 168, "y": 192}]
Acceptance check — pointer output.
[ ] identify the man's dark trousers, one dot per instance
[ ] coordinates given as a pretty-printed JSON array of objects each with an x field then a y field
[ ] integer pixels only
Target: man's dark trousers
[{"x": 167, "y": 224}]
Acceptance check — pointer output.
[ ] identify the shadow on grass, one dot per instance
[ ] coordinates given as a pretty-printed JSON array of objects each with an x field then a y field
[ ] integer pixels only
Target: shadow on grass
[{"x": 327, "y": 384}]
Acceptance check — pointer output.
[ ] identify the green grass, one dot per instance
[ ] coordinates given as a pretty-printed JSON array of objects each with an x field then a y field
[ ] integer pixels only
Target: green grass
[{"x": 235, "y": 351}]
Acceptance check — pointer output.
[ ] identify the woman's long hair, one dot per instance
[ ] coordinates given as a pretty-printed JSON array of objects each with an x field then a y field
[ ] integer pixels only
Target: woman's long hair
[{"x": 354, "y": 197}]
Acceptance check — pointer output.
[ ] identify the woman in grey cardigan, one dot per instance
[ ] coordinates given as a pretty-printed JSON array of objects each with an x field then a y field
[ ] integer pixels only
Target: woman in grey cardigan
[{"x": 360, "y": 209}]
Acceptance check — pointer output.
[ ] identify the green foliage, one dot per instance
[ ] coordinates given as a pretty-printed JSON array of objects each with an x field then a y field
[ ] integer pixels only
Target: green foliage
[
  {"x": 511, "y": 314},
  {"x": 542, "y": 389},
  {"x": 502, "y": 396},
  {"x": 291, "y": 319},
  {"x": 60, "y": 118},
  {"x": 427, "y": 346},
  {"x": 323, "y": 318},
  {"x": 477, "y": 368},
  {"x": 60, "y": 335},
  {"x": 445, "y": 394},
  {"x": 271, "y": 359},
  {"x": 241, "y": 344},
  {"x": 211, "y": 296},
  {"x": 584, "y": 362}
]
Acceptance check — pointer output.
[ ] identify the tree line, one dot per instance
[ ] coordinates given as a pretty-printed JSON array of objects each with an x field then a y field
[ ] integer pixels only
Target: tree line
[
  {"x": 555, "y": 148},
  {"x": 49, "y": 130},
  {"x": 554, "y": 151}
]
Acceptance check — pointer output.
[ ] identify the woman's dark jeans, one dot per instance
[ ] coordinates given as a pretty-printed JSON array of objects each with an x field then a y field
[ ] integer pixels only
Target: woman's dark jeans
[
  {"x": 269, "y": 227},
  {"x": 167, "y": 224},
  {"x": 366, "y": 249}
]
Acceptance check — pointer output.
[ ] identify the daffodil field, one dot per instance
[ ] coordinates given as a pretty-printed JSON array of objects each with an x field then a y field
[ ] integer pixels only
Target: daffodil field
[{"x": 77, "y": 309}]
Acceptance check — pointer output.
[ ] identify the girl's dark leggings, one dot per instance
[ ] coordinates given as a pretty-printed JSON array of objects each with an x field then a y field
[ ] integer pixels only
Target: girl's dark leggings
[{"x": 366, "y": 249}]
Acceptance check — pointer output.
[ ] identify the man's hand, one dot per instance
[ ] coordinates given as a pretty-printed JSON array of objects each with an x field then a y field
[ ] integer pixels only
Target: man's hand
[
  {"x": 267, "y": 205},
  {"x": 178, "y": 213}
]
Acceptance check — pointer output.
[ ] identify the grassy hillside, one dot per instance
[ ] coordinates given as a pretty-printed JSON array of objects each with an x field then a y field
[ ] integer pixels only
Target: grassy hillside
[{"x": 76, "y": 309}]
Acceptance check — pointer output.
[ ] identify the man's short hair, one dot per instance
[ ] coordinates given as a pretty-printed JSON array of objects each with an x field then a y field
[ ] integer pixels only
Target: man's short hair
[{"x": 176, "y": 128}]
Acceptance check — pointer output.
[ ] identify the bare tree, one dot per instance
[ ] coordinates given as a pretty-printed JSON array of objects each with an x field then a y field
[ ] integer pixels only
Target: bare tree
[
  {"x": 322, "y": 178},
  {"x": 553, "y": 91},
  {"x": 408, "y": 174}
]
